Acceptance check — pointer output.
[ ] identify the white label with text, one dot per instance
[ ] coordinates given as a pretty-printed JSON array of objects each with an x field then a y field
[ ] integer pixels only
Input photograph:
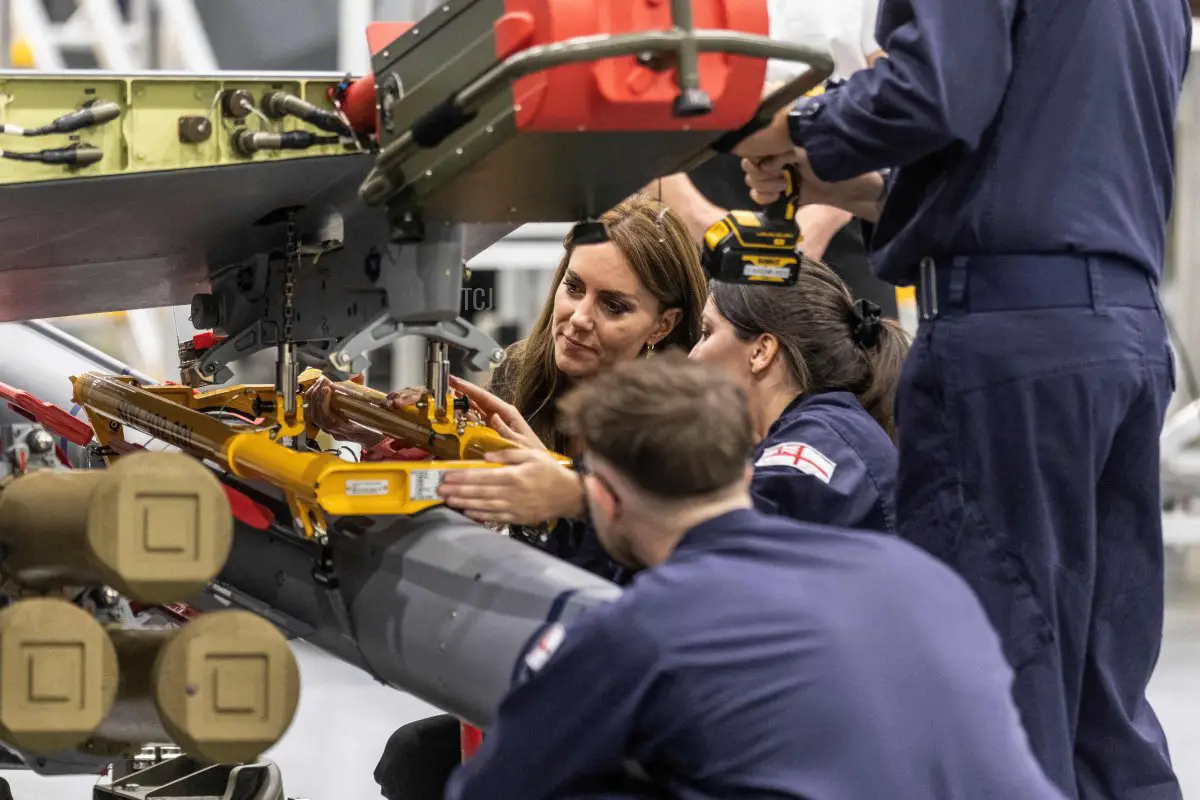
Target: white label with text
[
  {"x": 423, "y": 484},
  {"x": 368, "y": 488}
]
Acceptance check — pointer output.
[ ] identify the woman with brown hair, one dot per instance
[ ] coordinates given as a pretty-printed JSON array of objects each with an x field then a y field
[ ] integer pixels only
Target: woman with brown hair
[
  {"x": 642, "y": 290},
  {"x": 820, "y": 371}
]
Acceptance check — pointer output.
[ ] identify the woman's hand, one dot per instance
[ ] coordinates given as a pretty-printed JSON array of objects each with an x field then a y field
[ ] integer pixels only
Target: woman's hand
[
  {"x": 403, "y": 398},
  {"x": 500, "y": 416},
  {"x": 318, "y": 412},
  {"x": 530, "y": 489}
]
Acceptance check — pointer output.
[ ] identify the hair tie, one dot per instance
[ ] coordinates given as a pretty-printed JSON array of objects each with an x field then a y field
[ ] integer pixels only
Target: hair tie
[{"x": 864, "y": 329}]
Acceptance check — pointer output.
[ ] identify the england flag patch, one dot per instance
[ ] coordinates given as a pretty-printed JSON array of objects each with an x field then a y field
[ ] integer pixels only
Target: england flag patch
[
  {"x": 798, "y": 456},
  {"x": 546, "y": 645}
]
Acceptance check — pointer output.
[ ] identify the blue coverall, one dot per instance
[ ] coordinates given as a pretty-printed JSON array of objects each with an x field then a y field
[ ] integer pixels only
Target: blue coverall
[
  {"x": 1033, "y": 153},
  {"x": 827, "y": 460},
  {"x": 766, "y": 658}
]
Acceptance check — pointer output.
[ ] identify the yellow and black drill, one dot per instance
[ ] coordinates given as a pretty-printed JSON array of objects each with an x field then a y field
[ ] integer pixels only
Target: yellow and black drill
[{"x": 757, "y": 247}]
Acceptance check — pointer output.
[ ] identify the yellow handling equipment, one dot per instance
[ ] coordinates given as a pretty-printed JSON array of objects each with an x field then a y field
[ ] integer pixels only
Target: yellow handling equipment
[{"x": 256, "y": 445}]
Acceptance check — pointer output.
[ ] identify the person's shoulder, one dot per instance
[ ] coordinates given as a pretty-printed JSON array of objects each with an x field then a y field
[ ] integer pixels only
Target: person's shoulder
[
  {"x": 911, "y": 571},
  {"x": 832, "y": 417},
  {"x": 598, "y": 629},
  {"x": 817, "y": 435}
]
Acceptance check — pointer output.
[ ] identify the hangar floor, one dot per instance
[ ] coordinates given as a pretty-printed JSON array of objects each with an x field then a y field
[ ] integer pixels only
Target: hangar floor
[{"x": 345, "y": 719}]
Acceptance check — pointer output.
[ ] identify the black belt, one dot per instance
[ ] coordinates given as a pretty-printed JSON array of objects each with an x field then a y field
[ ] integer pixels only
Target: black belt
[{"x": 983, "y": 283}]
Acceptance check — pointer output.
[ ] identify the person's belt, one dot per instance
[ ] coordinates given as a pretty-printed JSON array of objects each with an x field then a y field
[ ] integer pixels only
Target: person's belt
[{"x": 983, "y": 283}]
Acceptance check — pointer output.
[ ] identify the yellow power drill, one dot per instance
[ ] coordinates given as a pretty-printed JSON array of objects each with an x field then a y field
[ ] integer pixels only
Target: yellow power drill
[{"x": 757, "y": 247}]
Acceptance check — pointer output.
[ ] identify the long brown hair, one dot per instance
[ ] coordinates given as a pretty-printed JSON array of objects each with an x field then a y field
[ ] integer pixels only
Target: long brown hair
[
  {"x": 657, "y": 245},
  {"x": 815, "y": 322}
]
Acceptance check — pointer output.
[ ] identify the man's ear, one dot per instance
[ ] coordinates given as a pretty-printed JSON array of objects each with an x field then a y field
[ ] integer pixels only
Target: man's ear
[
  {"x": 599, "y": 497},
  {"x": 762, "y": 355},
  {"x": 666, "y": 323}
]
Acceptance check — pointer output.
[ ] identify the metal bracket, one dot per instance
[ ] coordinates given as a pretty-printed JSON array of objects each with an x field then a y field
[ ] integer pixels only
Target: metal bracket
[
  {"x": 423, "y": 285},
  {"x": 354, "y": 292},
  {"x": 482, "y": 351}
]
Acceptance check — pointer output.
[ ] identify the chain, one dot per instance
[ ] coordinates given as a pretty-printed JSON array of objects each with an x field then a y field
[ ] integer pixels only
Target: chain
[{"x": 291, "y": 263}]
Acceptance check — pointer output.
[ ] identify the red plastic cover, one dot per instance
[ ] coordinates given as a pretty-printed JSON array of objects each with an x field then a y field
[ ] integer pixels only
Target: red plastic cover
[{"x": 619, "y": 94}]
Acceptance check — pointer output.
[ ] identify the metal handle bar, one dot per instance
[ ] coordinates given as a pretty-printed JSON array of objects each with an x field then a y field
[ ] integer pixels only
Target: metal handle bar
[{"x": 461, "y": 106}]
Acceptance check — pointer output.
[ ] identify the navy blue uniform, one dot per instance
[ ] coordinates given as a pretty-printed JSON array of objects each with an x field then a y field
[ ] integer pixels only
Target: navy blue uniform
[
  {"x": 767, "y": 658},
  {"x": 1033, "y": 147},
  {"x": 826, "y": 460}
]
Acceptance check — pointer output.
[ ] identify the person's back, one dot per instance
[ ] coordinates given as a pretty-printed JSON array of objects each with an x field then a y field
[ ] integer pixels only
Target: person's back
[
  {"x": 781, "y": 643},
  {"x": 1033, "y": 150},
  {"x": 1061, "y": 148}
]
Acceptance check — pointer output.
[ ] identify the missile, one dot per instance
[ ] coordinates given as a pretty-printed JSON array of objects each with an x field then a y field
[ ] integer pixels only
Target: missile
[
  {"x": 224, "y": 687},
  {"x": 60, "y": 675},
  {"x": 155, "y": 527},
  {"x": 432, "y": 604}
]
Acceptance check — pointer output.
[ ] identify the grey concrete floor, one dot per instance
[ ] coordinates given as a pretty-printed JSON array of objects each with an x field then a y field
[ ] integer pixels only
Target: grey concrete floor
[
  {"x": 345, "y": 718},
  {"x": 1175, "y": 689}
]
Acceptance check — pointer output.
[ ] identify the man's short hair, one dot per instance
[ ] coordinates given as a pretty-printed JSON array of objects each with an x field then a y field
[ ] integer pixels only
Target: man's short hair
[{"x": 675, "y": 427}]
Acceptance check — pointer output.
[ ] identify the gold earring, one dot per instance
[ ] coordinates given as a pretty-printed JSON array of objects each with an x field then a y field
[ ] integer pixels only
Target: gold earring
[{"x": 649, "y": 349}]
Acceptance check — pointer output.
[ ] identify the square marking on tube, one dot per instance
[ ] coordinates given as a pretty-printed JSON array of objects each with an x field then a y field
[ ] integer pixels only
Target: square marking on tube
[
  {"x": 56, "y": 674},
  {"x": 170, "y": 524},
  {"x": 239, "y": 683}
]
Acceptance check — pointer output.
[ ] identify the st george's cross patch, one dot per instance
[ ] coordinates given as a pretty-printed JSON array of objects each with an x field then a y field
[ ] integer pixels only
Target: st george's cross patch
[
  {"x": 545, "y": 647},
  {"x": 799, "y": 456}
]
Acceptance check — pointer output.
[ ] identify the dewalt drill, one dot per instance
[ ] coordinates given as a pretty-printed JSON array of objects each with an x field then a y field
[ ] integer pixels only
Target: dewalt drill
[{"x": 757, "y": 247}]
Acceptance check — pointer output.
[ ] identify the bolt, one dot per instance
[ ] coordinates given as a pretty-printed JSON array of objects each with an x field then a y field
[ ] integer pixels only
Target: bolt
[{"x": 40, "y": 441}]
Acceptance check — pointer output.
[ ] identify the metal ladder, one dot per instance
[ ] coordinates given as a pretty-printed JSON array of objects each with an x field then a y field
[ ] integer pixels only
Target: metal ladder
[{"x": 120, "y": 35}]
